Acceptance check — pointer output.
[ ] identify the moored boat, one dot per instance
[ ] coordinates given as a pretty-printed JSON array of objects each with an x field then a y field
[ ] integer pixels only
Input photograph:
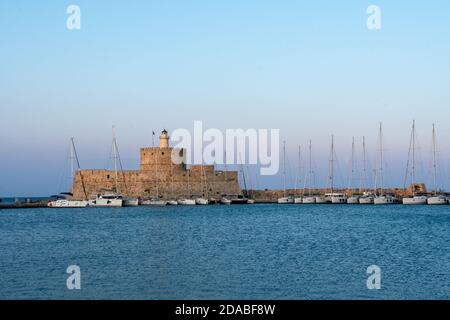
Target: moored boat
[
  {"x": 353, "y": 200},
  {"x": 154, "y": 202},
  {"x": 384, "y": 199},
  {"x": 321, "y": 200},
  {"x": 338, "y": 198},
  {"x": 65, "y": 199},
  {"x": 381, "y": 198},
  {"x": 285, "y": 200},
  {"x": 201, "y": 201},
  {"x": 366, "y": 199},
  {"x": 437, "y": 200},
  {"x": 64, "y": 203},
  {"x": 130, "y": 202},
  {"x": 186, "y": 202},
  {"x": 107, "y": 200},
  {"x": 309, "y": 200},
  {"x": 225, "y": 201},
  {"x": 416, "y": 200}
]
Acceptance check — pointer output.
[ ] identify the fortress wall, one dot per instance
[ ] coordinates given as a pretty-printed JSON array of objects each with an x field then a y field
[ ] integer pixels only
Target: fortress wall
[{"x": 145, "y": 184}]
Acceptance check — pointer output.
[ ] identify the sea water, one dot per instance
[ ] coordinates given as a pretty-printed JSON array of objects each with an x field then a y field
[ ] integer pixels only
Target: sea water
[{"x": 226, "y": 252}]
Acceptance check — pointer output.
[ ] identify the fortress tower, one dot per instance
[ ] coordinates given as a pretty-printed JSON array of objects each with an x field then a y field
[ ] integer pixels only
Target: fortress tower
[
  {"x": 164, "y": 140},
  {"x": 158, "y": 175}
]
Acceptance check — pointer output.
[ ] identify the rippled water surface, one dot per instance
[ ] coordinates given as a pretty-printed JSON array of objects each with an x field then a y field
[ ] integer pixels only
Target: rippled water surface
[{"x": 226, "y": 252}]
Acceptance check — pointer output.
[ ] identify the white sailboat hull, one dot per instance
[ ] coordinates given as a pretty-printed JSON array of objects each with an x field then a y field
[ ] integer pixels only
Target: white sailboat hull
[
  {"x": 383, "y": 200},
  {"x": 172, "y": 202},
  {"x": 130, "y": 202},
  {"x": 366, "y": 200},
  {"x": 225, "y": 201},
  {"x": 154, "y": 203},
  {"x": 415, "y": 201},
  {"x": 285, "y": 200},
  {"x": 437, "y": 200},
  {"x": 298, "y": 200},
  {"x": 338, "y": 200},
  {"x": 353, "y": 200},
  {"x": 201, "y": 201},
  {"x": 250, "y": 201},
  {"x": 106, "y": 203},
  {"x": 309, "y": 200},
  {"x": 321, "y": 200},
  {"x": 67, "y": 204},
  {"x": 186, "y": 202}
]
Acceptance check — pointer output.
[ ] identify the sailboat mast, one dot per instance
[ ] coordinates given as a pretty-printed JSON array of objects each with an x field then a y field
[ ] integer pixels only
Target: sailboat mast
[
  {"x": 310, "y": 168},
  {"x": 414, "y": 157},
  {"x": 72, "y": 164},
  {"x": 114, "y": 149},
  {"x": 241, "y": 168},
  {"x": 78, "y": 167},
  {"x": 364, "y": 165},
  {"x": 381, "y": 159},
  {"x": 332, "y": 164},
  {"x": 299, "y": 171},
  {"x": 434, "y": 161},
  {"x": 353, "y": 165},
  {"x": 284, "y": 167}
]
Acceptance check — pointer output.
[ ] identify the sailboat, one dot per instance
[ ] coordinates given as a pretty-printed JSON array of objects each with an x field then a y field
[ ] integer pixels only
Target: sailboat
[
  {"x": 225, "y": 199},
  {"x": 249, "y": 192},
  {"x": 202, "y": 200},
  {"x": 334, "y": 197},
  {"x": 187, "y": 201},
  {"x": 67, "y": 201},
  {"x": 285, "y": 199},
  {"x": 243, "y": 197},
  {"x": 436, "y": 199},
  {"x": 382, "y": 198},
  {"x": 353, "y": 199},
  {"x": 323, "y": 199},
  {"x": 367, "y": 197},
  {"x": 415, "y": 199},
  {"x": 298, "y": 199},
  {"x": 309, "y": 199},
  {"x": 127, "y": 201}
]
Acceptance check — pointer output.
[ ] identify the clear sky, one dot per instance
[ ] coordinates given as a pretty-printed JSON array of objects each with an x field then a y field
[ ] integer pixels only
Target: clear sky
[{"x": 309, "y": 68}]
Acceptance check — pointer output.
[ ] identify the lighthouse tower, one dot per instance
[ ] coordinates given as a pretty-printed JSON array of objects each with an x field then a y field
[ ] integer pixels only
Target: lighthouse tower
[{"x": 164, "y": 140}]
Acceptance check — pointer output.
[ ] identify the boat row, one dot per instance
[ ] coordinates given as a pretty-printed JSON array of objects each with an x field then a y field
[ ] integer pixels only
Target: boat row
[
  {"x": 340, "y": 198},
  {"x": 114, "y": 200},
  {"x": 378, "y": 196}
]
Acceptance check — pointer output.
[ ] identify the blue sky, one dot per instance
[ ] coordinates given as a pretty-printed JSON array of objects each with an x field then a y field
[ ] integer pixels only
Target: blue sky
[{"x": 309, "y": 68}]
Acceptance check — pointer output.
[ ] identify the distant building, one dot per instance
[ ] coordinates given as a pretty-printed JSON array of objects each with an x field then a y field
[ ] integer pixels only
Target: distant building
[{"x": 158, "y": 176}]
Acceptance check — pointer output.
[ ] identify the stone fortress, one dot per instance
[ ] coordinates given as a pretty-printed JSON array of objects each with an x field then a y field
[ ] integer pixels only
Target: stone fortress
[{"x": 158, "y": 177}]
